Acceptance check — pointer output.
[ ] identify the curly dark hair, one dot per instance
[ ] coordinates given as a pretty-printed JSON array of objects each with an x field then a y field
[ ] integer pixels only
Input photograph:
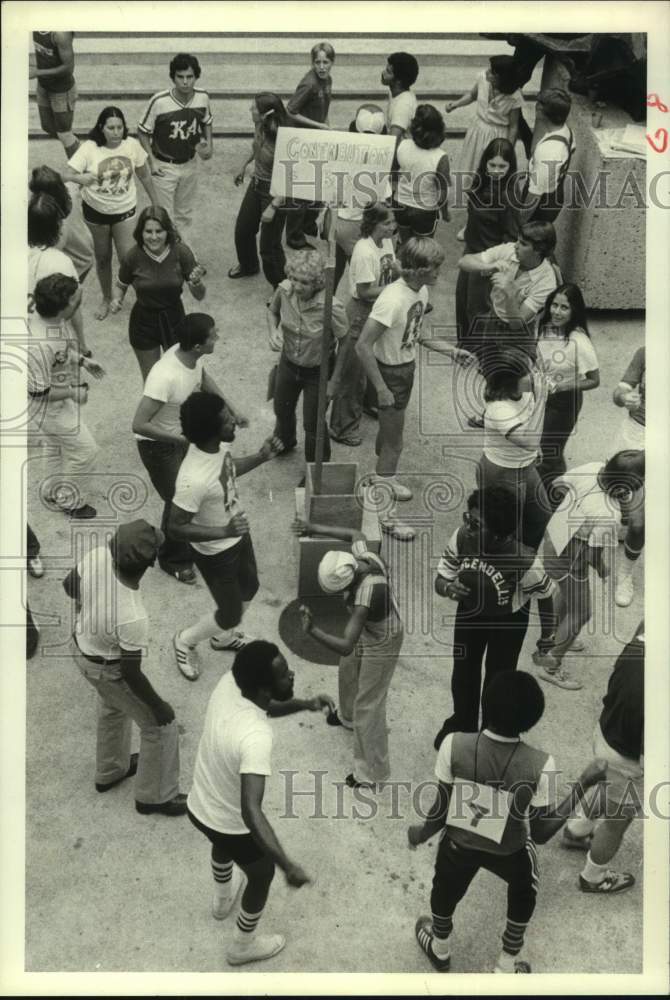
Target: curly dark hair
[
  {"x": 252, "y": 666},
  {"x": 427, "y": 127},
  {"x": 45, "y": 220},
  {"x": 199, "y": 415},
  {"x": 53, "y": 293},
  {"x": 505, "y": 71},
  {"x": 498, "y": 507},
  {"x": 405, "y": 68},
  {"x": 182, "y": 62},
  {"x": 512, "y": 703},
  {"x": 46, "y": 180}
]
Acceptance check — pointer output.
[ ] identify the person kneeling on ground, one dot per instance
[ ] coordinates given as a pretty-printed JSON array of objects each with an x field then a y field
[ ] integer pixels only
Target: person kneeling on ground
[
  {"x": 369, "y": 648},
  {"x": 491, "y": 808}
]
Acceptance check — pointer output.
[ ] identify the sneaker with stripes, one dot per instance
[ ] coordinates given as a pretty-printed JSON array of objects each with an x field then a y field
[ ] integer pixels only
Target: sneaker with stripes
[
  {"x": 423, "y": 930},
  {"x": 611, "y": 883}
]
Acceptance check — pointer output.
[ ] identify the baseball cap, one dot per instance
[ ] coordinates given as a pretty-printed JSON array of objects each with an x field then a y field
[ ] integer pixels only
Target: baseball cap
[
  {"x": 370, "y": 118},
  {"x": 336, "y": 571},
  {"x": 134, "y": 545}
]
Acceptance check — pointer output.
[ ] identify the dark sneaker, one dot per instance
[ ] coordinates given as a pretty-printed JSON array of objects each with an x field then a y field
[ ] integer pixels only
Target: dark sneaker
[
  {"x": 132, "y": 769},
  {"x": 519, "y": 966},
  {"x": 424, "y": 935},
  {"x": 613, "y": 882},
  {"x": 173, "y": 807}
]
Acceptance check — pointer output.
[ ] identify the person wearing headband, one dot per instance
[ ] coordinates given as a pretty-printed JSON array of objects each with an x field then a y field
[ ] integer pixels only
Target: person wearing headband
[
  {"x": 369, "y": 648},
  {"x": 259, "y": 210}
]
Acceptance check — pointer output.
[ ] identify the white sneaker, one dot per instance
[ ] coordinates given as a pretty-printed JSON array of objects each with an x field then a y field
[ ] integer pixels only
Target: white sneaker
[
  {"x": 259, "y": 948},
  {"x": 186, "y": 658},
  {"x": 36, "y": 567},
  {"x": 403, "y": 532},
  {"x": 625, "y": 589},
  {"x": 460, "y": 235},
  {"x": 238, "y": 640},
  {"x": 223, "y": 901},
  {"x": 400, "y": 492}
]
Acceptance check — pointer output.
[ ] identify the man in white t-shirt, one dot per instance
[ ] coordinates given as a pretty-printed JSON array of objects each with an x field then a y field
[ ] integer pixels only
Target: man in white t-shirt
[
  {"x": 111, "y": 636},
  {"x": 160, "y": 442},
  {"x": 387, "y": 349},
  {"x": 56, "y": 395},
  {"x": 206, "y": 512},
  {"x": 226, "y": 800},
  {"x": 552, "y": 151},
  {"x": 400, "y": 72}
]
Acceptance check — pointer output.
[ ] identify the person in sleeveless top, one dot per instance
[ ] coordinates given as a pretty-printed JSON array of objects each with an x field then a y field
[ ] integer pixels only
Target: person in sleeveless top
[
  {"x": 56, "y": 92},
  {"x": 552, "y": 152},
  {"x": 492, "y": 806},
  {"x": 369, "y": 648}
]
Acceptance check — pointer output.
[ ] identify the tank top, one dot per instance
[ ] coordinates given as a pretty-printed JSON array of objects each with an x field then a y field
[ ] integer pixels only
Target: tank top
[{"x": 47, "y": 57}]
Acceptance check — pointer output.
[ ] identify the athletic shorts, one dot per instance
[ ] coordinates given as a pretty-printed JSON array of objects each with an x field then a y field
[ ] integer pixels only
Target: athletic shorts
[
  {"x": 625, "y": 778},
  {"x": 240, "y": 848},
  {"x": 60, "y": 103},
  {"x": 231, "y": 577},
  {"x": 421, "y": 221},
  {"x": 399, "y": 379},
  {"x": 104, "y": 218},
  {"x": 151, "y": 328}
]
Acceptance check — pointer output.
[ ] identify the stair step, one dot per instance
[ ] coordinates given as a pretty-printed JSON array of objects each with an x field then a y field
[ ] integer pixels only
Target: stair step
[{"x": 220, "y": 46}]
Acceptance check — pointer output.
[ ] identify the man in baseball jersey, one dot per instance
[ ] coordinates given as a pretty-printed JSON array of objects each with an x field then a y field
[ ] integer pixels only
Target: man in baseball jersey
[{"x": 176, "y": 125}]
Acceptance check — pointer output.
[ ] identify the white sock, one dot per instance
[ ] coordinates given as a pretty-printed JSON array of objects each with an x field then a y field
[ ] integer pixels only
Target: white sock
[
  {"x": 245, "y": 926},
  {"x": 440, "y": 947},
  {"x": 580, "y": 826},
  {"x": 506, "y": 961},
  {"x": 593, "y": 872},
  {"x": 625, "y": 569},
  {"x": 204, "y": 628}
]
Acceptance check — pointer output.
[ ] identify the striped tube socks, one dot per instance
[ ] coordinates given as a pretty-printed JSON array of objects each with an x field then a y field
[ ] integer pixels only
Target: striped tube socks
[
  {"x": 512, "y": 943},
  {"x": 222, "y": 872},
  {"x": 246, "y": 925},
  {"x": 442, "y": 928}
]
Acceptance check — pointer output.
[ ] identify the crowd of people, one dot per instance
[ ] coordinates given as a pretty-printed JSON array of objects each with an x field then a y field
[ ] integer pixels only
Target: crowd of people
[{"x": 533, "y": 528}]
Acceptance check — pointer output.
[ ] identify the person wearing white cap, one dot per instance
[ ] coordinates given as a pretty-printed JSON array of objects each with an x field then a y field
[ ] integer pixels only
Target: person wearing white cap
[
  {"x": 369, "y": 648},
  {"x": 110, "y": 636}
]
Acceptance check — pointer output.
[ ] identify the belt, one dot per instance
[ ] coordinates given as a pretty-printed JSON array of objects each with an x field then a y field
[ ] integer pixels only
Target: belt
[
  {"x": 171, "y": 159},
  {"x": 94, "y": 659}
]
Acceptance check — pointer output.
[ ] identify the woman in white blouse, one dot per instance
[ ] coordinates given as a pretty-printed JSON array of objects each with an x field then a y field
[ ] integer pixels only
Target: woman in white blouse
[{"x": 566, "y": 356}]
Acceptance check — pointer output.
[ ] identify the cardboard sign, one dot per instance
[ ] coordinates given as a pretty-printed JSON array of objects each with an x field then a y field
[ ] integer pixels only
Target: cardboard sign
[
  {"x": 339, "y": 168},
  {"x": 479, "y": 809}
]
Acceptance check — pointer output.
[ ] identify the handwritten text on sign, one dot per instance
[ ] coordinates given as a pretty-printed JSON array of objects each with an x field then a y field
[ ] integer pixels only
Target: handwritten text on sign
[{"x": 339, "y": 168}]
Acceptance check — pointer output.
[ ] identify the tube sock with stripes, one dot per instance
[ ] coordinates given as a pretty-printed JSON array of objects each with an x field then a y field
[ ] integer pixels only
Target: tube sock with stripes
[
  {"x": 442, "y": 928},
  {"x": 246, "y": 925}
]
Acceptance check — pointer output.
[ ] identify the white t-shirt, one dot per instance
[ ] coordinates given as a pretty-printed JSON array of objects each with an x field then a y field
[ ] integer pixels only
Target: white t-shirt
[
  {"x": 586, "y": 512},
  {"x": 400, "y": 309},
  {"x": 400, "y": 110},
  {"x": 417, "y": 184},
  {"x": 501, "y": 417},
  {"x": 112, "y": 615},
  {"x": 370, "y": 263},
  {"x": 115, "y": 191},
  {"x": 545, "y": 164},
  {"x": 50, "y": 363},
  {"x": 171, "y": 383},
  {"x": 206, "y": 487},
  {"x": 535, "y": 285},
  {"x": 236, "y": 740},
  {"x": 42, "y": 263},
  {"x": 564, "y": 360}
]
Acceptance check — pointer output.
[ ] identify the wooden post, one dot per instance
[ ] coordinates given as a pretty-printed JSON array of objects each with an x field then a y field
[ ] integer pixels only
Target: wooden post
[{"x": 326, "y": 337}]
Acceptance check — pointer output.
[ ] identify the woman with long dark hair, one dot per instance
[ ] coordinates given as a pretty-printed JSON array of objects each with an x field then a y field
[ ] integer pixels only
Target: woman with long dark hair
[
  {"x": 490, "y": 222},
  {"x": 259, "y": 209},
  {"x": 157, "y": 267},
  {"x": 566, "y": 356},
  {"x": 75, "y": 241},
  {"x": 423, "y": 177},
  {"x": 104, "y": 167}
]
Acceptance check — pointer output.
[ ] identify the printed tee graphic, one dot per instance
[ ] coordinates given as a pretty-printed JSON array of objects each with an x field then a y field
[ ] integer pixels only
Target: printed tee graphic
[
  {"x": 114, "y": 175},
  {"x": 229, "y": 483},
  {"x": 412, "y": 326}
]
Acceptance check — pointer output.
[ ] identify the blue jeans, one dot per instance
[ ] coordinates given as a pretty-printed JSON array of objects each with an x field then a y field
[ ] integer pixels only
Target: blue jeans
[{"x": 291, "y": 381}]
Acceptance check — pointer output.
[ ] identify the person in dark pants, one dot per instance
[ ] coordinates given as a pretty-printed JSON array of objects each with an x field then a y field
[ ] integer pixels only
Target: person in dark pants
[
  {"x": 206, "y": 512},
  {"x": 308, "y": 108},
  {"x": 490, "y": 222},
  {"x": 226, "y": 801},
  {"x": 296, "y": 310},
  {"x": 493, "y": 577},
  {"x": 567, "y": 359},
  {"x": 259, "y": 209},
  {"x": 156, "y": 426},
  {"x": 493, "y": 804}
]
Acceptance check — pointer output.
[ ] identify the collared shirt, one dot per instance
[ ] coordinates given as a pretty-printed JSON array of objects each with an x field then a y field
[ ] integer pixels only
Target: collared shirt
[
  {"x": 534, "y": 285},
  {"x": 176, "y": 128},
  {"x": 301, "y": 322},
  {"x": 312, "y": 97}
]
